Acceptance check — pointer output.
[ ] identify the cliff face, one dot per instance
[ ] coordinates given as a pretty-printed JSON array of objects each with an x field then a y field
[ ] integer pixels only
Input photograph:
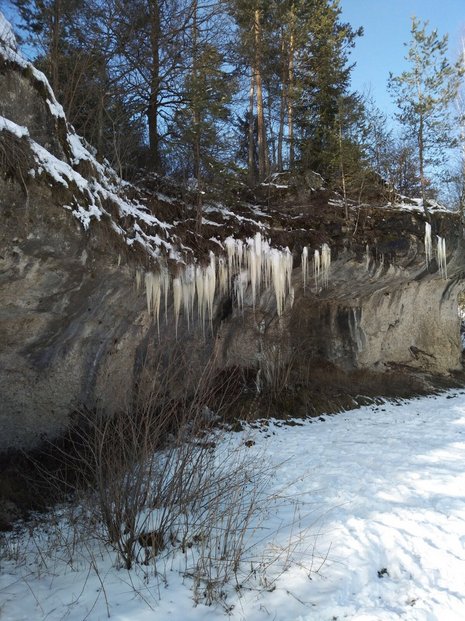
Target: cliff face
[
  {"x": 74, "y": 244},
  {"x": 383, "y": 308}
]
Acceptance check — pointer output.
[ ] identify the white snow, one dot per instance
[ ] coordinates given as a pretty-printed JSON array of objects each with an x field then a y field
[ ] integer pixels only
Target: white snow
[
  {"x": 17, "y": 130},
  {"x": 102, "y": 186},
  {"x": 407, "y": 203},
  {"x": 366, "y": 521}
]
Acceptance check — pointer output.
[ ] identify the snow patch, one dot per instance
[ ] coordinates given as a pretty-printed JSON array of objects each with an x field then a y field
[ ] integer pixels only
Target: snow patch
[
  {"x": 17, "y": 130},
  {"x": 368, "y": 524}
]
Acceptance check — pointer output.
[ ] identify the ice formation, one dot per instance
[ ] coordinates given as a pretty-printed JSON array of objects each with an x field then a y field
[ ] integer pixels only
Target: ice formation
[
  {"x": 325, "y": 263},
  {"x": 321, "y": 265},
  {"x": 177, "y": 296},
  {"x": 153, "y": 292},
  {"x": 442, "y": 256},
  {"x": 249, "y": 265},
  {"x": 316, "y": 267},
  {"x": 304, "y": 265},
  {"x": 139, "y": 274},
  {"x": 428, "y": 243}
]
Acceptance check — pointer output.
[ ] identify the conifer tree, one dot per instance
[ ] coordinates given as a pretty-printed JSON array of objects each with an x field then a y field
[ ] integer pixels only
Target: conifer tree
[
  {"x": 252, "y": 19},
  {"x": 322, "y": 79},
  {"x": 52, "y": 25},
  {"x": 206, "y": 97},
  {"x": 424, "y": 94}
]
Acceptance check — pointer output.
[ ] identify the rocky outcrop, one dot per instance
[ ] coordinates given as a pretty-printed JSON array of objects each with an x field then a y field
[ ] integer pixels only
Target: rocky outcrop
[
  {"x": 74, "y": 327},
  {"x": 380, "y": 310}
]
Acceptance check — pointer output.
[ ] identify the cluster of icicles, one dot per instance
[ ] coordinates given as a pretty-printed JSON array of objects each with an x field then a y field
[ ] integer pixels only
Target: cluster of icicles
[
  {"x": 321, "y": 265},
  {"x": 441, "y": 255},
  {"x": 251, "y": 263}
]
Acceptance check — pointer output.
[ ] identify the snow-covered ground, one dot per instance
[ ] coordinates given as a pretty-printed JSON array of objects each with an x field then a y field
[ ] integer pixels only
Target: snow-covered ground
[{"x": 366, "y": 521}]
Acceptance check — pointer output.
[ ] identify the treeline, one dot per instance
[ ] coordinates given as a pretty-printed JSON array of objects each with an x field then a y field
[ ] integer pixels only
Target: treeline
[{"x": 205, "y": 89}]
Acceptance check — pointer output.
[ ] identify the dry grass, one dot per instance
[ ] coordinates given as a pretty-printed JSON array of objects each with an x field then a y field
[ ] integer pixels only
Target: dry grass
[{"x": 15, "y": 158}]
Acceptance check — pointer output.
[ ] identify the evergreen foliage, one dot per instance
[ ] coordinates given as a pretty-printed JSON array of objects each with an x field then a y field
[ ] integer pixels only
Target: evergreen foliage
[
  {"x": 424, "y": 94},
  {"x": 203, "y": 89}
]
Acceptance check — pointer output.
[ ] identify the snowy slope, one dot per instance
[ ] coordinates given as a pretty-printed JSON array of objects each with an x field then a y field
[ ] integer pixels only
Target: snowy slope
[{"x": 371, "y": 526}]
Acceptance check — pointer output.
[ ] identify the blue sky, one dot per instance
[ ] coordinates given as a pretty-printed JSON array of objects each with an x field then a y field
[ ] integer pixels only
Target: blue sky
[{"x": 387, "y": 27}]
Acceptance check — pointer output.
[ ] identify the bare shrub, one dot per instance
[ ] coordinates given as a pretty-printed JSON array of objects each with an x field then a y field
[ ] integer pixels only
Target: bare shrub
[
  {"x": 276, "y": 363},
  {"x": 149, "y": 474},
  {"x": 163, "y": 486}
]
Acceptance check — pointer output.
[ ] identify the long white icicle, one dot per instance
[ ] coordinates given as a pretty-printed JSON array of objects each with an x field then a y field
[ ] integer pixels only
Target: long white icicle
[
  {"x": 442, "y": 256},
  {"x": 253, "y": 263},
  {"x": 428, "y": 244},
  {"x": 304, "y": 265},
  {"x": 325, "y": 263}
]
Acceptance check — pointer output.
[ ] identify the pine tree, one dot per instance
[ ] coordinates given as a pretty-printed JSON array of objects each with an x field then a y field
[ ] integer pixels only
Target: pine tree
[
  {"x": 322, "y": 78},
  {"x": 206, "y": 97},
  {"x": 252, "y": 20},
  {"x": 424, "y": 94},
  {"x": 75, "y": 51},
  {"x": 51, "y": 26}
]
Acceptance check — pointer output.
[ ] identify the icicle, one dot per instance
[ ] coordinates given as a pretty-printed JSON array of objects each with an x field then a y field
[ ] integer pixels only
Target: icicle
[
  {"x": 148, "y": 291},
  {"x": 240, "y": 285},
  {"x": 428, "y": 243},
  {"x": 177, "y": 296},
  {"x": 210, "y": 285},
  {"x": 289, "y": 264},
  {"x": 278, "y": 267},
  {"x": 199, "y": 285},
  {"x": 304, "y": 265},
  {"x": 138, "y": 279},
  {"x": 188, "y": 292},
  {"x": 252, "y": 264},
  {"x": 367, "y": 257},
  {"x": 230, "y": 244},
  {"x": 316, "y": 267},
  {"x": 291, "y": 297},
  {"x": 325, "y": 263},
  {"x": 165, "y": 285},
  {"x": 239, "y": 255},
  {"x": 442, "y": 256},
  {"x": 153, "y": 292},
  {"x": 223, "y": 281},
  {"x": 259, "y": 247}
]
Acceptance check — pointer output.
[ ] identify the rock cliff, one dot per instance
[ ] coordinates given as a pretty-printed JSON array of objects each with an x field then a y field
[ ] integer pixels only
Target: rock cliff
[{"x": 76, "y": 244}]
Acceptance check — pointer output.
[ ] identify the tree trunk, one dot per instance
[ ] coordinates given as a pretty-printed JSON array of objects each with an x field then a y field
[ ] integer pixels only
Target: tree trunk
[
  {"x": 283, "y": 103},
  {"x": 290, "y": 109},
  {"x": 421, "y": 157},
  {"x": 197, "y": 117},
  {"x": 152, "y": 110},
  {"x": 341, "y": 165},
  {"x": 263, "y": 164},
  {"x": 55, "y": 19},
  {"x": 251, "y": 136}
]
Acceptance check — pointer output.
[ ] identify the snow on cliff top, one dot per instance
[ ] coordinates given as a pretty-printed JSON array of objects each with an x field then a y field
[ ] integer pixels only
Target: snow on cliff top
[{"x": 94, "y": 193}]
